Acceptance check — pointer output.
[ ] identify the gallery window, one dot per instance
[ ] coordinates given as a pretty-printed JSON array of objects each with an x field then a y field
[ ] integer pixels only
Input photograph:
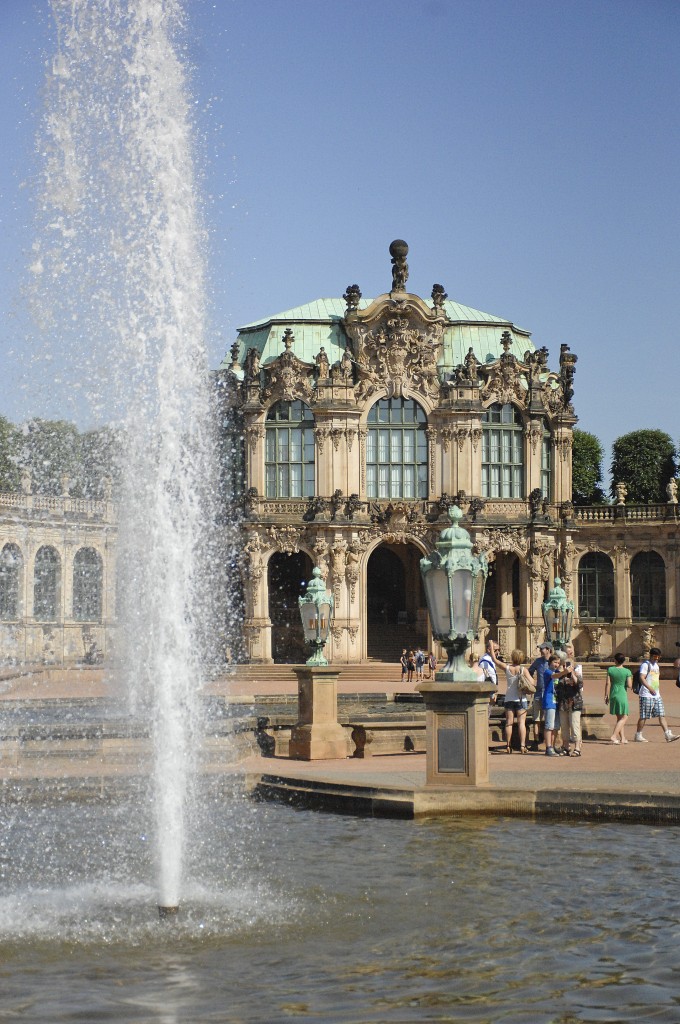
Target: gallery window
[
  {"x": 289, "y": 451},
  {"x": 46, "y": 581},
  {"x": 87, "y": 586},
  {"x": 396, "y": 449},
  {"x": 648, "y": 585},
  {"x": 502, "y": 452},
  {"x": 596, "y": 586}
]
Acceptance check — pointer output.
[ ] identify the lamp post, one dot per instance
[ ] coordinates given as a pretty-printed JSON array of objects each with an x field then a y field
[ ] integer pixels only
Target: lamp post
[
  {"x": 456, "y": 702},
  {"x": 317, "y": 733},
  {"x": 454, "y": 582},
  {"x": 316, "y": 611},
  {"x": 558, "y": 616}
]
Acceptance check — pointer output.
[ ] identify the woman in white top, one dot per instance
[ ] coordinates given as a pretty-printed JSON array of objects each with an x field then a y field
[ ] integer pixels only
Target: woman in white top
[{"x": 515, "y": 700}]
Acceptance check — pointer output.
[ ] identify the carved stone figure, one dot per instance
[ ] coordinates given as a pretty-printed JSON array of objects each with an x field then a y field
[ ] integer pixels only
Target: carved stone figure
[
  {"x": 251, "y": 365},
  {"x": 26, "y": 483},
  {"x": 352, "y": 505},
  {"x": 322, "y": 364},
  {"x": 399, "y": 252},
  {"x": 621, "y": 493},
  {"x": 471, "y": 364},
  {"x": 336, "y": 503},
  {"x": 672, "y": 491}
]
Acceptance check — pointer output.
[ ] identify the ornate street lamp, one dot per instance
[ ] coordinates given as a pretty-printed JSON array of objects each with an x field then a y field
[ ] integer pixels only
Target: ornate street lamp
[
  {"x": 454, "y": 581},
  {"x": 316, "y": 611},
  {"x": 558, "y": 616}
]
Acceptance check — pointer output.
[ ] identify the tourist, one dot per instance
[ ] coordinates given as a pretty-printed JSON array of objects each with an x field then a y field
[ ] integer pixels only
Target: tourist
[
  {"x": 536, "y": 669},
  {"x": 569, "y": 693},
  {"x": 615, "y": 692},
  {"x": 651, "y": 704},
  {"x": 420, "y": 662},
  {"x": 490, "y": 675},
  {"x": 549, "y": 700},
  {"x": 403, "y": 661},
  {"x": 410, "y": 665},
  {"x": 431, "y": 665},
  {"x": 515, "y": 701}
]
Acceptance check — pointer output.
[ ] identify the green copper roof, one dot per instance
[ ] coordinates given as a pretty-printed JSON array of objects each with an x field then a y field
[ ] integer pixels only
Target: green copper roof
[{"x": 319, "y": 323}]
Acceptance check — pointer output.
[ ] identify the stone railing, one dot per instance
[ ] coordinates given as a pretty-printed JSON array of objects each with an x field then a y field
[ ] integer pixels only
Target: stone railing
[
  {"x": 58, "y": 506},
  {"x": 629, "y": 513}
]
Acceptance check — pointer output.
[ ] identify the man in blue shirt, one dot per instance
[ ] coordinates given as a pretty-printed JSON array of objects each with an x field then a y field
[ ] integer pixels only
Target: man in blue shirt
[{"x": 537, "y": 670}]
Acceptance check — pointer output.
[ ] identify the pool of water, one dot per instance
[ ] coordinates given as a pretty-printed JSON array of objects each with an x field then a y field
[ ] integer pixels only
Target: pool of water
[{"x": 296, "y": 915}]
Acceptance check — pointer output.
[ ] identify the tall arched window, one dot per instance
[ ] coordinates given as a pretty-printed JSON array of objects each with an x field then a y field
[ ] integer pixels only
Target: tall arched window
[
  {"x": 546, "y": 464},
  {"x": 596, "y": 586},
  {"x": 10, "y": 574},
  {"x": 289, "y": 451},
  {"x": 87, "y": 586},
  {"x": 46, "y": 580},
  {"x": 502, "y": 452},
  {"x": 396, "y": 450},
  {"x": 648, "y": 585}
]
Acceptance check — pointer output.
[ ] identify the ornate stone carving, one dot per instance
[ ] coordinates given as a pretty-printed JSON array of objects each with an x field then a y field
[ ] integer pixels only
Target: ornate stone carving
[
  {"x": 398, "y": 353},
  {"x": 470, "y": 367},
  {"x": 287, "y": 377},
  {"x": 505, "y": 383},
  {"x": 323, "y": 367},
  {"x": 439, "y": 297},
  {"x": 336, "y": 633},
  {"x": 461, "y": 434},
  {"x": 321, "y": 434},
  {"x": 353, "y": 505},
  {"x": 316, "y": 506},
  {"x": 567, "y": 368},
  {"x": 476, "y": 436},
  {"x": 595, "y": 637},
  {"x": 352, "y": 567},
  {"x": 251, "y": 365},
  {"x": 336, "y": 503},
  {"x": 534, "y": 433},
  {"x": 352, "y": 632},
  {"x": 320, "y": 549},
  {"x": 352, "y": 296},
  {"x": 350, "y": 433},
  {"x": 648, "y": 638},
  {"x": 336, "y": 436},
  {"x": 285, "y": 538},
  {"x": 564, "y": 445},
  {"x": 446, "y": 435},
  {"x": 338, "y": 567},
  {"x": 504, "y": 538},
  {"x": 255, "y": 434}
]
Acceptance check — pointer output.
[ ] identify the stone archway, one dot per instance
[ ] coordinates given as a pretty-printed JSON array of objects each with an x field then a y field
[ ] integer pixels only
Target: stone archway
[
  {"x": 396, "y": 615},
  {"x": 287, "y": 575}
]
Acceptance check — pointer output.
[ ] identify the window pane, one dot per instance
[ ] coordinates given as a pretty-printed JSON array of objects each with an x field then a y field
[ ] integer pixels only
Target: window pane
[
  {"x": 372, "y": 481},
  {"x": 270, "y": 481},
  {"x": 296, "y": 445},
  {"x": 410, "y": 482},
  {"x": 396, "y": 446},
  {"x": 383, "y": 445},
  {"x": 371, "y": 445}
]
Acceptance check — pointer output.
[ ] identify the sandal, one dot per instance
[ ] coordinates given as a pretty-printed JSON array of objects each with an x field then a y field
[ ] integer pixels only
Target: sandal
[
  {"x": 577, "y": 753},
  {"x": 508, "y": 748},
  {"x": 524, "y": 750}
]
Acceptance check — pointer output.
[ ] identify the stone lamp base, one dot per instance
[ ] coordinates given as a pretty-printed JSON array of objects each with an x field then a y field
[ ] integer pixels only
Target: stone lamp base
[
  {"x": 457, "y": 729},
  {"x": 318, "y": 735}
]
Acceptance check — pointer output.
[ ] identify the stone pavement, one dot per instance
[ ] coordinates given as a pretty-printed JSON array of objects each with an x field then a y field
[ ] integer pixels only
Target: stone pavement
[{"x": 632, "y": 782}]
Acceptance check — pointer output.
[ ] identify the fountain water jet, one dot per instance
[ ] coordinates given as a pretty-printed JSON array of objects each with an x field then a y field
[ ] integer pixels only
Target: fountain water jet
[{"x": 122, "y": 246}]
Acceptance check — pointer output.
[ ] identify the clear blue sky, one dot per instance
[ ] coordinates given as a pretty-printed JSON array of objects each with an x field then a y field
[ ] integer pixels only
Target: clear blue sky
[{"x": 527, "y": 151}]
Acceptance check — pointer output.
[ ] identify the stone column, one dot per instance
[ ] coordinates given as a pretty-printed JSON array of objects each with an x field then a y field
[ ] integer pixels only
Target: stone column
[
  {"x": 318, "y": 735},
  {"x": 457, "y": 729}
]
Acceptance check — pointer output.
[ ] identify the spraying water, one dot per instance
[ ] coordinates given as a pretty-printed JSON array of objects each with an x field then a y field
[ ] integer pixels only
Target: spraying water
[{"x": 120, "y": 254}]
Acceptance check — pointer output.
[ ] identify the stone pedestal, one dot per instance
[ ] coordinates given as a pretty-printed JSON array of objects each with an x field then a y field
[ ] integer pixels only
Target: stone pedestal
[
  {"x": 318, "y": 735},
  {"x": 457, "y": 724}
]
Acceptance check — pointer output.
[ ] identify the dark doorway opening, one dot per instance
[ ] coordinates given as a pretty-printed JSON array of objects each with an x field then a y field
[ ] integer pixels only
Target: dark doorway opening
[
  {"x": 287, "y": 576},
  {"x": 396, "y": 616}
]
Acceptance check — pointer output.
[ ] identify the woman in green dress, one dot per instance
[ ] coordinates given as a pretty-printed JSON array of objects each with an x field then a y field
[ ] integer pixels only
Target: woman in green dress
[{"x": 615, "y": 689}]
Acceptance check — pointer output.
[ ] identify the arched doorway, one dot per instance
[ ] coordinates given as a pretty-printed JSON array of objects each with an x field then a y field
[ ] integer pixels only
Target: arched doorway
[
  {"x": 287, "y": 576},
  {"x": 501, "y": 607},
  {"x": 396, "y": 614}
]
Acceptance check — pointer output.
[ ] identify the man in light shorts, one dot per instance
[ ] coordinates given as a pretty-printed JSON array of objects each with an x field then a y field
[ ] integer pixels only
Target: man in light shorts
[{"x": 651, "y": 704}]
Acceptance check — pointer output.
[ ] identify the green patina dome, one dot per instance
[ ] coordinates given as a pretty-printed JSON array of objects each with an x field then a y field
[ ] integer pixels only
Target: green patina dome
[{"x": 319, "y": 324}]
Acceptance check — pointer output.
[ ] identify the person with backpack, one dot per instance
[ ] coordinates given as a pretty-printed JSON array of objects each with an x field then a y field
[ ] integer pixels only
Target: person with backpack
[{"x": 651, "y": 704}]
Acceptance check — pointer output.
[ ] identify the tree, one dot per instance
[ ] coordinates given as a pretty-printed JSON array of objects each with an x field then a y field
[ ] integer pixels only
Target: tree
[
  {"x": 49, "y": 449},
  {"x": 644, "y": 460},
  {"x": 587, "y": 456},
  {"x": 9, "y": 444}
]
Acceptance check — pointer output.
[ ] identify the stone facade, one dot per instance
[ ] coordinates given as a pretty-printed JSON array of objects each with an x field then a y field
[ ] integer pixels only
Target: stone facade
[{"x": 57, "y": 572}]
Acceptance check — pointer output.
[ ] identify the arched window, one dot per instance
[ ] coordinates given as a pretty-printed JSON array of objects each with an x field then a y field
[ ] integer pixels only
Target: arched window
[
  {"x": 596, "y": 586},
  {"x": 648, "y": 585},
  {"x": 502, "y": 452},
  {"x": 289, "y": 451},
  {"x": 87, "y": 586},
  {"x": 396, "y": 450},
  {"x": 10, "y": 573},
  {"x": 46, "y": 580}
]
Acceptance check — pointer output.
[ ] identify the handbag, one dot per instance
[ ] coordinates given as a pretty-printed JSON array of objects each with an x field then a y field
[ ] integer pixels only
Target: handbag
[{"x": 525, "y": 685}]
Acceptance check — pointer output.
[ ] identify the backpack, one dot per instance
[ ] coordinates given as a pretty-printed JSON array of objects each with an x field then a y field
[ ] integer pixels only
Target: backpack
[{"x": 637, "y": 681}]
